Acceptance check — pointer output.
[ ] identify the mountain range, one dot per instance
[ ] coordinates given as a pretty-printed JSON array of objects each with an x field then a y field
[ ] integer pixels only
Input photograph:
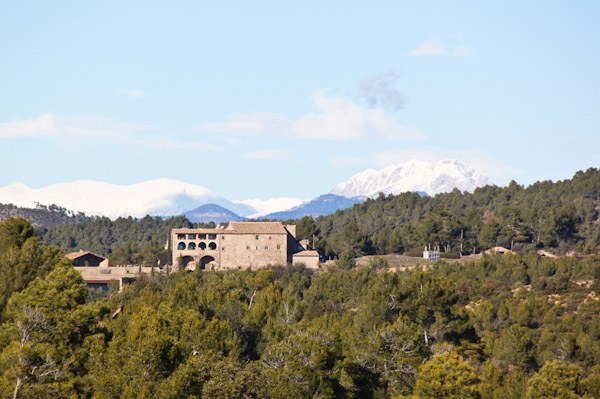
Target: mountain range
[
  {"x": 426, "y": 177},
  {"x": 167, "y": 197}
]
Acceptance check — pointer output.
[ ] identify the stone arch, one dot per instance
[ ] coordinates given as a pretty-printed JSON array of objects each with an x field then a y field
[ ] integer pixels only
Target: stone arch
[
  {"x": 205, "y": 260},
  {"x": 212, "y": 246},
  {"x": 192, "y": 246},
  {"x": 202, "y": 246},
  {"x": 188, "y": 263},
  {"x": 181, "y": 246}
]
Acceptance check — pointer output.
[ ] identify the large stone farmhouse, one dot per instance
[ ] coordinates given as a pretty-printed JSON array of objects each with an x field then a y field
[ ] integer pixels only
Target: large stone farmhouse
[{"x": 239, "y": 245}]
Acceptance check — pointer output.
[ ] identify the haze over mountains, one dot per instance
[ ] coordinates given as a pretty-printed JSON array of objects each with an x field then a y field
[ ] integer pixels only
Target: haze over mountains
[{"x": 166, "y": 197}]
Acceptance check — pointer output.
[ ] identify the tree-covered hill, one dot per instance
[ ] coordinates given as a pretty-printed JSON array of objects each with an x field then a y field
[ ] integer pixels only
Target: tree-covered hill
[
  {"x": 124, "y": 240},
  {"x": 42, "y": 215},
  {"x": 512, "y": 326},
  {"x": 559, "y": 215}
]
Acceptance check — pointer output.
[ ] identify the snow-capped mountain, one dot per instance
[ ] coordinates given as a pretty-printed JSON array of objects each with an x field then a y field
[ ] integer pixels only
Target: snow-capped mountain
[
  {"x": 271, "y": 205},
  {"x": 428, "y": 177},
  {"x": 160, "y": 197}
]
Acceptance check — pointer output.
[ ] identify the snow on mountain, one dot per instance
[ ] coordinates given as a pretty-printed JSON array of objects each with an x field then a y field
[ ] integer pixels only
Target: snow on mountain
[
  {"x": 428, "y": 177},
  {"x": 265, "y": 207},
  {"x": 160, "y": 197}
]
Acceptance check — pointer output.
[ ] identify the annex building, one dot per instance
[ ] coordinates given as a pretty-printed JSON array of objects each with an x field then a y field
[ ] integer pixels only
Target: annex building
[{"x": 239, "y": 245}]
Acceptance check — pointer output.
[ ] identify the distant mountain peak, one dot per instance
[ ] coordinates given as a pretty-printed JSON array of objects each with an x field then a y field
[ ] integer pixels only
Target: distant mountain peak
[
  {"x": 323, "y": 205},
  {"x": 427, "y": 177},
  {"x": 212, "y": 213}
]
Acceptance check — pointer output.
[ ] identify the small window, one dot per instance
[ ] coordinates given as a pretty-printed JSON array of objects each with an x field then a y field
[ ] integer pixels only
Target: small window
[
  {"x": 257, "y": 247},
  {"x": 192, "y": 246},
  {"x": 181, "y": 236},
  {"x": 266, "y": 247},
  {"x": 222, "y": 248},
  {"x": 212, "y": 246},
  {"x": 181, "y": 246},
  {"x": 247, "y": 247},
  {"x": 202, "y": 236},
  {"x": 278, "y": 246},
  {"x": 222, "y": 237},
  {"x": 257, "y": 237},
  {"x": 269, "y": 237},
  {"x": 212, "y": 236},
  {"x": 191, "y": 236},
  {"x": 202, "y": 246}
]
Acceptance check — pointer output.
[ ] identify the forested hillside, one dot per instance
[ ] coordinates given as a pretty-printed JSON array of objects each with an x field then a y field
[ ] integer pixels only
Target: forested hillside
[
  {"x": 499, "y": 327},
  {"x": 558, "y": 216},
  {"x": 561, "y": 216},
  {"x": 42, "y": 215},
  {"x": 124, "y": 240}
]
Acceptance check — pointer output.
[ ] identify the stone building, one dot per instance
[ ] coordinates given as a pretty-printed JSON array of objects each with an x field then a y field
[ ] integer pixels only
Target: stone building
[
  {"x": 308, "y": 258},
  {"x": 239, "y": 245},
  {"x": 98, "y": 274},
  {"x": 87, "y": 258}
]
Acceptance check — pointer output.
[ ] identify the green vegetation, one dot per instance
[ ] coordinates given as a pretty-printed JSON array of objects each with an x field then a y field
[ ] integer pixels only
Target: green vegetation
[
  {"x": 561, "y": 216},
  {"x": 124, "y": 240},
  {"x": 517, "y": 326},
  {"x": 42, "y": 215}
]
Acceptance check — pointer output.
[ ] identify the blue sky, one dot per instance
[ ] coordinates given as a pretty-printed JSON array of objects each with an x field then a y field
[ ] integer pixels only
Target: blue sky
[{"x": 265, "y": 99}]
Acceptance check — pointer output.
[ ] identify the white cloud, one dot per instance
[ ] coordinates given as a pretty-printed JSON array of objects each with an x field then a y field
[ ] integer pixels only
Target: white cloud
[
  {"x": 90, "y": 128},
  {"x": 379, "y": 90},
  {"x": 336, "y": 119},
  {"x": 49, "y": 125},
  {"x": 266, "y": 154},
  {"x": 250, "y": 122},
  {"x": 175, "y": 145},
  {"x": 130, "y": 93},
  {"x": 477, "y": 159},
  {"x": 435, "y": 46}
]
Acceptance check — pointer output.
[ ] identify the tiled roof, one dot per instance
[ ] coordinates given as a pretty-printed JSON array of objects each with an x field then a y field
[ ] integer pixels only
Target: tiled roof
[
  {"x": 240, "y": 228},
  {"x": 75, "y": 255},
  {"x": 257, "y": 228},
  {"x": 198, "y": 231}
]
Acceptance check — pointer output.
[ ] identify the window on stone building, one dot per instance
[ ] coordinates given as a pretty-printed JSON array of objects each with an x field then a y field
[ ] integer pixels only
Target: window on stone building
[
  {"x": 278, "y": 246},
  {"x": 212, "y": 246},
  {"x": 202, "y": 236},
  {"x": 181, "y": 246},
  {"x": 222, "y": 237},
  {"x": 181, "y": 236},
  {"x": 247, "y": 247},
  {"x": 269, "y": 237},
  {"x": 222, "y": 248},
  {"x": 192, "y": 246},
  {"x": 212, "y": 236},
  {"x": 202, "y": 246},
  {"x": 257, "y": 237},
  {"x": 191, "y": 236},
  {"x": 266, "y": 247}
]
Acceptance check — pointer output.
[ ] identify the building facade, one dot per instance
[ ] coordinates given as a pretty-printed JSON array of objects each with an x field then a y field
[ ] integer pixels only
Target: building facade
[
  {"x": 239, "y": 245},
  {"x": 98, "y": 274}
]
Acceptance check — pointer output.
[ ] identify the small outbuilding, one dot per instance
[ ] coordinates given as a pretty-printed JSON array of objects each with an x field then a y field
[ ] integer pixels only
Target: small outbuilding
[
  {"x": 308, "y": 258},
  {"x": 87, "y": 258}
]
